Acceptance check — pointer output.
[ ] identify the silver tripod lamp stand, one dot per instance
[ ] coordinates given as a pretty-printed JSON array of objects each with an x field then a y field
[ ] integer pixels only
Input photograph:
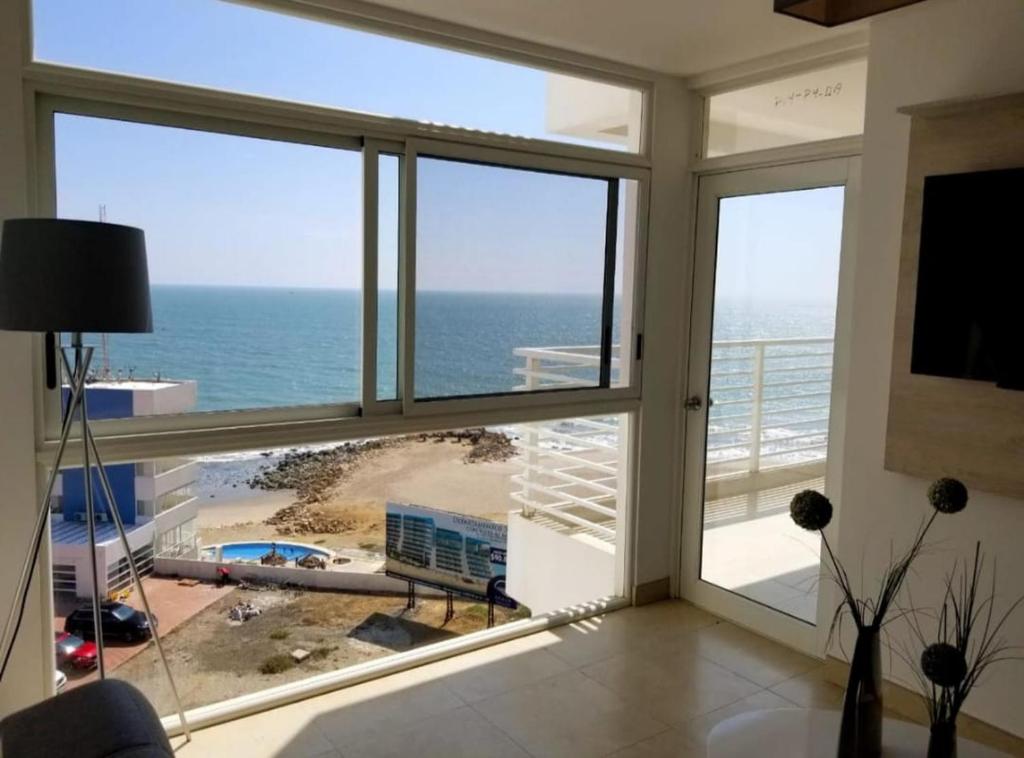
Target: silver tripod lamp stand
[{"x": 75, "y": 277}]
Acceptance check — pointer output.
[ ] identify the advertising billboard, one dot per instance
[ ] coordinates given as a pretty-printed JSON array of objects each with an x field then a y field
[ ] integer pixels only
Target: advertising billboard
[{"x": 450, "y": 551}]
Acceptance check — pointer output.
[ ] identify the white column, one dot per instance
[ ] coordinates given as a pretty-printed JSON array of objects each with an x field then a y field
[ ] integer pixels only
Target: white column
[
  {"x": 31, "y": 662},
  {"x": 665, "y": 327}
]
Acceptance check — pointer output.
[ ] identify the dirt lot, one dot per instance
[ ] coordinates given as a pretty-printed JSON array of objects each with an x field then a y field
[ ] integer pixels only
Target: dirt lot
[{"x": 213, "y": 658}]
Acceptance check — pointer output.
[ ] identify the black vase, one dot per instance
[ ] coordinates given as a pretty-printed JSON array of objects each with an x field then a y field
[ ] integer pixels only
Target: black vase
[
  {"x": 860, "y": 734},
  {"x": 942, "y": 742}
]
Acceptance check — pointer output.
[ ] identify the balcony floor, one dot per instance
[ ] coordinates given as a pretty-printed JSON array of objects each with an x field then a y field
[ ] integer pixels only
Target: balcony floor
[
  {"x": 649, "y": 681},
  {"x": 751, "y": 547}
]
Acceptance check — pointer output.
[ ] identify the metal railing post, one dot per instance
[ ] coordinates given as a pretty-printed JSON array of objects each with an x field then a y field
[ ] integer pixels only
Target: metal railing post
[
  {"x": 532, "y": 435},
  {"x": 757, "y": 380}
]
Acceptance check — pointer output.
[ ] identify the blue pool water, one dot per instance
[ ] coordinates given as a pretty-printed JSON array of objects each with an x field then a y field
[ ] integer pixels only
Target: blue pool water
[{"x": 253, "y": 551}]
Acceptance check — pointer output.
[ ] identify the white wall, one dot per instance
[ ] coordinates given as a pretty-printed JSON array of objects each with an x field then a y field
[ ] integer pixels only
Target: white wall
[
  {"x": 549, "y": 570},
  {"x": 353, "y": 581},
  {"x": 933, "y": 51},
  {"x": 24, "y": 680}
]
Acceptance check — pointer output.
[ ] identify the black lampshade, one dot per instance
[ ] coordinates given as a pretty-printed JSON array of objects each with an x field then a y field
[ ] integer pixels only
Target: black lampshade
[
  {"x": 73, "y": 276},
  {"x": 836, "y": 12}
]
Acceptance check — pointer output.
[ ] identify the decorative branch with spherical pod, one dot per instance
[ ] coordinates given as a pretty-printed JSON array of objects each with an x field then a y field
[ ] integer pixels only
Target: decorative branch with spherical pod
[
  {"x": 968, "y": 640},
  {"x": 861, "y": 729}
]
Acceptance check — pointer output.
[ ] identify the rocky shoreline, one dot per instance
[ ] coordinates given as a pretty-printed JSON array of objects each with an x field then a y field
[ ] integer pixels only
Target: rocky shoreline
[{"x": 313, "y": 474}]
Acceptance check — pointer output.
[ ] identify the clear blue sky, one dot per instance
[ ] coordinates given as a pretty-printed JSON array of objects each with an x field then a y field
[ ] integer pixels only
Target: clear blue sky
[
  {"x": 782, "y": 246},
  {"x": 227, "y": 210}
]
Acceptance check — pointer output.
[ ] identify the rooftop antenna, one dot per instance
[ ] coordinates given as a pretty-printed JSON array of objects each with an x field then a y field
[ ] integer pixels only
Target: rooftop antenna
[{"x": 104, "y": 339}]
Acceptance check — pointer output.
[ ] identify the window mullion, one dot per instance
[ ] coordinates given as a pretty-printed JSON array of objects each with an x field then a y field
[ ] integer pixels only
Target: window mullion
[
  {"x": 407, "y": 280},
  {"x": 371, "y": 215},
  {"x": 608, "y": 293}
]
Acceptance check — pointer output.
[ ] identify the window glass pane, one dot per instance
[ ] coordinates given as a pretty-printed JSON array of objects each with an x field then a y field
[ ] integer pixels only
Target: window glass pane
[
  {"x": 509, "y": 268},
  {"x": 771, "y": 384},
  {"x": 229, "y": 46},
  {"x": 816, "y": 105},
  {"x": 525, "y": 514},
  {"x": 255, "y": 260},
  {"x": 387, "y": 276}
]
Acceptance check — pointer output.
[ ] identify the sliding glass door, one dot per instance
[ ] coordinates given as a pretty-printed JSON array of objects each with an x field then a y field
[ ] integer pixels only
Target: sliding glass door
[{"x": 760, "y": 390}]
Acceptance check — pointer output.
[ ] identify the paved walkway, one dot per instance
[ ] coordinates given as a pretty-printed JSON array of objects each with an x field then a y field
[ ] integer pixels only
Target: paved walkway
[{"x": 172, "y": 603}]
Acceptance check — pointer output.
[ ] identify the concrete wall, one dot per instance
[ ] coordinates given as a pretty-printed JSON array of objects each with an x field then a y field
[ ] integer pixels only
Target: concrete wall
[
  {"x": 26, "y": 678},
  {"x": 352, "y": 581},
  {"x": 933, "y": 51},
  {"x": 549, "y": 570}
]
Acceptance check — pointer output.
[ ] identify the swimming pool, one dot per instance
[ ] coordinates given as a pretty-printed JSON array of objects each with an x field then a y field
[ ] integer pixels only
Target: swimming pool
[{"x": 253, "y": 551}]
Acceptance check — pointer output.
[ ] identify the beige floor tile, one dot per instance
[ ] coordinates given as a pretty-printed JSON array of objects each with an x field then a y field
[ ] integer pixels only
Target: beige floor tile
[
  {"x": 461, "y": 733},
  {"x": 493, "y": 676},
  {"x": 369, "y": 712},
  {"x": 568, "y": 714},
  {"x": 671, "y": 743},
  {"x": 630, "y": 629},
  {"x": 811, "y": 690},
  {"x": 696, "y": 730},
  {"x": 266, "y": 734},
  {"x": 753, "y": 657},
  {"x": 673, "y": 690}
]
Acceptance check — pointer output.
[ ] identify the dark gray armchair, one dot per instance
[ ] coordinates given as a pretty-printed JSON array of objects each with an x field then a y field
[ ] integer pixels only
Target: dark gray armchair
[{"x": 107, "y": 719}]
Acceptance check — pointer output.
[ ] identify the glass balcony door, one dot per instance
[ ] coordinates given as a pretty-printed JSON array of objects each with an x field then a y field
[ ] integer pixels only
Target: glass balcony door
[{"x": 760, "y": 392}]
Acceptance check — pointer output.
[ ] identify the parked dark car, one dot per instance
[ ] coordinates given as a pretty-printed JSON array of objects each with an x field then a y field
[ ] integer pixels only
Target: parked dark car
[{"x": 118, "y": 621}]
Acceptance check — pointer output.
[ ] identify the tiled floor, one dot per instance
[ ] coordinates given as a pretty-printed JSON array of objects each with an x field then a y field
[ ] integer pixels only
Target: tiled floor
[{"x": 648, "y": 681}]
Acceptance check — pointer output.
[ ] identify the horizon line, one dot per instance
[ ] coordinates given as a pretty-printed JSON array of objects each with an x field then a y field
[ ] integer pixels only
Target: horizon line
[{"x": 310, "y": 288}]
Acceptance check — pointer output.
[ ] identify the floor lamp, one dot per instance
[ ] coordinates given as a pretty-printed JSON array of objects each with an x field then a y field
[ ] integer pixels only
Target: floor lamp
[{"x": 75, "y": 277}]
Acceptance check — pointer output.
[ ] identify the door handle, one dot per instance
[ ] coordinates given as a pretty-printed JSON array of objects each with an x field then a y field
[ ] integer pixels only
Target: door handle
[{"x": 696, "y": 402}]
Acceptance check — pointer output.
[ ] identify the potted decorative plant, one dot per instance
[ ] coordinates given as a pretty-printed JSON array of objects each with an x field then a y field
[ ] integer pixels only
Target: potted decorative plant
[
  {"x": 968, "y": 642},
  {"x": 860, "y": 732}
]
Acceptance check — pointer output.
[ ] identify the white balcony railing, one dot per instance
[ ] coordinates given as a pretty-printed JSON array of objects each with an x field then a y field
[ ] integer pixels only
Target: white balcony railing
[
  {"x": 563, "y": 367},
  {"x": 570, "y": 472},
  {"x": 770, "y": 404},
  {"x": 769, "y": 411}
]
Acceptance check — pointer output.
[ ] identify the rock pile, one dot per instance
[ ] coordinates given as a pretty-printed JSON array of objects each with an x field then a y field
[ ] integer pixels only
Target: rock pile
[
  {"x": 312, "y": 473},
  {"x": 484, "y": 445},
  {"x": 243, "y": 612},
  {"x": 301, "y": 518}
]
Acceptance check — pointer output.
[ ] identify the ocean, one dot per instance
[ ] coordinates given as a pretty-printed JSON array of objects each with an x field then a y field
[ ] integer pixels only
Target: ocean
[{"x": 264, "y": 347}]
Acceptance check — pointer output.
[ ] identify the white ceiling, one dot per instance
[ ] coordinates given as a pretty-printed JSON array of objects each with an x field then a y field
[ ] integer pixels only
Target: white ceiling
[{"x": 674, "y": 36}]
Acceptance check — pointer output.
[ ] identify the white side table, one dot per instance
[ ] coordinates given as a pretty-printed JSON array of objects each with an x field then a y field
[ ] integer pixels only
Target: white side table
[{"x": 796, "y": 732}]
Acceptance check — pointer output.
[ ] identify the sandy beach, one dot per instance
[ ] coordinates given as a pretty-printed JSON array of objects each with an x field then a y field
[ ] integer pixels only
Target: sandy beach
[
  {"x": 425, "y": 472},
  {"x": 254, "y": 506}
]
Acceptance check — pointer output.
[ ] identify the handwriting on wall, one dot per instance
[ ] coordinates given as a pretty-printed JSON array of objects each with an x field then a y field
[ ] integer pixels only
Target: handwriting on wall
[{"x": 808, "y": 93}]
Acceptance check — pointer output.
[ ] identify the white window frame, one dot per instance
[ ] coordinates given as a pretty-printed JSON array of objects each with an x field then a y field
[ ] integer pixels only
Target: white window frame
[
  {"x": 513, "y": 400},
  {"x": 719, "y": 83}
]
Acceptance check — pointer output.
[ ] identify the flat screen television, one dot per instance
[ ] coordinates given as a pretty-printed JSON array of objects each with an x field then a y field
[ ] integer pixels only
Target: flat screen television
[{"x": 969, "y": 315}]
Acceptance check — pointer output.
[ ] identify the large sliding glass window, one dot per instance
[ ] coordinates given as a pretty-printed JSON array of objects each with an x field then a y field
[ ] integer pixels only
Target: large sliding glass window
[{"x": 321, "y": 282}]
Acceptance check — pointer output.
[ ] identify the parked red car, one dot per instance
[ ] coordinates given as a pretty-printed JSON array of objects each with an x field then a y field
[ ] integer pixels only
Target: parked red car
[{"x": 74, "y": 650}]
